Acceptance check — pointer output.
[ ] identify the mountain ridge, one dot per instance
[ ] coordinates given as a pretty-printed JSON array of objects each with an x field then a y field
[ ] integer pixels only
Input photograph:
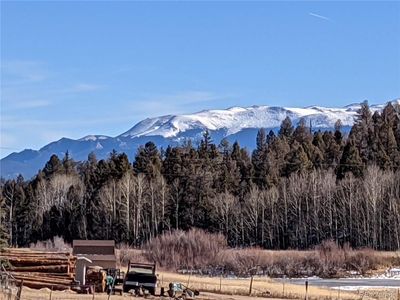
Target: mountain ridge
[{"x": 234, "y": 123}]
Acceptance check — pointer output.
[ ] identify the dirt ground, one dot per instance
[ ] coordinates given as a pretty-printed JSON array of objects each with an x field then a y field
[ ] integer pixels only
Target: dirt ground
[
  {"x": 43, "y": 294},
  {"x": 214, "y": 288}
]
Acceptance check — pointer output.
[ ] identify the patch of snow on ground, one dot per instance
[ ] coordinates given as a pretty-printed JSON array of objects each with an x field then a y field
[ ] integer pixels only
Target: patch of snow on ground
[{"x": 363, "y": 287}]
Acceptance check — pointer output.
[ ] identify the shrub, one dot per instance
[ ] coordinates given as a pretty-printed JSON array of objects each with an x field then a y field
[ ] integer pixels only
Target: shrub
[
  {"x": 55, "y": 244},
  {"x": 362, "y": 260},
  {"x": 125, "y": 254},
  {"x": 206, "y": 253},
  {"x": 193, "y": 249},
  {"x": 331, "y": 259}
]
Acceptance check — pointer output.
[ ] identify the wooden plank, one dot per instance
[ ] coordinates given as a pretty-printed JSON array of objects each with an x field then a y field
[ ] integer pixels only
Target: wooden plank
[
  {"x": 43, "y": 279},
  {"x": 34, "y": 252},
  {"x": 21, "y": 262},
  {"x": 45, "y": 269},
  {"x": 40, "y": 285},
  {"x": 57, "y": 275}
]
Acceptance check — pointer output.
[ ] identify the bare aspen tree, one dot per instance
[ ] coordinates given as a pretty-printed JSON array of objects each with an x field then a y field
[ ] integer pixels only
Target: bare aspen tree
[
  {"x": 372, "y": 195},
  {"x": 176, "y": 192},
  {"x": 271, "y": 198},
  {"x": 163, "y": 191},
  {"x": 224, "y": 205},
  {"x": 9, "y": 195},
  {"x": 109, "y": 201},
  {"x": 252, "y": 211},
  {"x": 139, "y": 193},
  {"x": 127, "y": 186},
  {"x": 59, "y": 187}
]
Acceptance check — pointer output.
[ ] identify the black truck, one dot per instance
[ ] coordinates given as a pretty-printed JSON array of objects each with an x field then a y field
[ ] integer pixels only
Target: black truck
[{"x": 140, "y": 276}]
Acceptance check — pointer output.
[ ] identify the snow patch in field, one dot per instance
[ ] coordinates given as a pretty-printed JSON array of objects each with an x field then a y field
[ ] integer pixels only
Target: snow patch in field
[{"x": 363, "y": 287}]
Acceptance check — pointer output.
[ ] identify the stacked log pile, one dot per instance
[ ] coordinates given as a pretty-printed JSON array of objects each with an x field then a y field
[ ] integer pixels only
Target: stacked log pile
[{"x": 39, "y": 269}]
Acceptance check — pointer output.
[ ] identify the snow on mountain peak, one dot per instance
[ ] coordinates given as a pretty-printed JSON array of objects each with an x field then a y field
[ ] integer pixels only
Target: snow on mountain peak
[
  {"x": 234, "y": 119},
  {"x": 234, "y": 123}
]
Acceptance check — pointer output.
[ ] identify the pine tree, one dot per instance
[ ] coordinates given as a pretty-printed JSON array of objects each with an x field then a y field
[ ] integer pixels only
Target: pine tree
[
  {"x": 286, "y": 128},
  {"x": 68, "y": 164},
  {"x": 302, "y": 133},
  {"x": 205, "y": 145},
  {"x": 317, "y": 150},
  {"x": 229, "y": 174},
  {"x": 362, "y": 133},
  {"x": 350, "y": 161},
  {"x": 338, "y": 131},
  {"x": 333, "y": 149},
  {"x": 297, "y": 160},
  {"x": 387, "y": 135},
  {"x": 242, "y": 160},
  {"x": 148, "y": 160},
  {"x": 53, "y": 166},
  {"x": 276, "y": 159},
  {"x": 259, "y": 159}
]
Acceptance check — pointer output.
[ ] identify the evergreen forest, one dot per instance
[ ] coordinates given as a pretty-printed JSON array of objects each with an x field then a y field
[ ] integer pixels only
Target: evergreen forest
[{"x": 298, "y": 188}]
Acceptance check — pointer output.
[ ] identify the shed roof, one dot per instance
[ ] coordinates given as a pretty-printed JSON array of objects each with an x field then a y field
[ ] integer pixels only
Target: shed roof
[{"x": 93, "y": 243}]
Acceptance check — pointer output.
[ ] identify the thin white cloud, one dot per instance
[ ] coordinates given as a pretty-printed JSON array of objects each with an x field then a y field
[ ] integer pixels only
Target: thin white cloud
[
  {"x": 85, "y": 87},
  {"x": 177, "y": 103},
  {"x": 31, "y": 104},
  {"x": 319, "y": 16},
  {"x": 18, "y": 72},
  {"x": 15, "y": 122}
]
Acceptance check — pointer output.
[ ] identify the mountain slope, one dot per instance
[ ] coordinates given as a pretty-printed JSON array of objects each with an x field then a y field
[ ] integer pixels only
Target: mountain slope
[
  {"x": 235, "y": 123},
  {"x": 235, "y": 119}
]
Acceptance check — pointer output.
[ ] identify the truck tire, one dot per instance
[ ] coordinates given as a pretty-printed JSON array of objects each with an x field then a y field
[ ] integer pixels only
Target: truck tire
[{"x": 152, "y": 291}]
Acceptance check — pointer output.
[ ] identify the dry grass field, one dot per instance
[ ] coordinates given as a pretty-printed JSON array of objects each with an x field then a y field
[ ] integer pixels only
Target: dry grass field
[
  {"x": 262, "y": 287},
  {"x": 213, "y": 288},
  {"x": 216, "y": 288}
]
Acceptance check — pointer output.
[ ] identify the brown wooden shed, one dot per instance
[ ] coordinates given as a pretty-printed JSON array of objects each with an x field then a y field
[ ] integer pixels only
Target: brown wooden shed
[
  {"x": 100, "y": 252},
  {"x": 105, "y": 247}
]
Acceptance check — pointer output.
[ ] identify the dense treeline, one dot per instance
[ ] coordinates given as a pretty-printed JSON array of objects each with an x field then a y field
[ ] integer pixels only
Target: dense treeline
[{"x": 295, "y": 190}]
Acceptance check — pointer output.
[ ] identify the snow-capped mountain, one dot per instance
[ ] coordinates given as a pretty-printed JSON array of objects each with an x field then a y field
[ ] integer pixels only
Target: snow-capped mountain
[
  {"x": 236, "y": 119},
  {"x": 235, "y": 123}
]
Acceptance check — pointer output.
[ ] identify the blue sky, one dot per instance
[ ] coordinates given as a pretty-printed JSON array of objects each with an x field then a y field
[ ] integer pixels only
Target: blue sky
[{"x": 69, "y": 69}]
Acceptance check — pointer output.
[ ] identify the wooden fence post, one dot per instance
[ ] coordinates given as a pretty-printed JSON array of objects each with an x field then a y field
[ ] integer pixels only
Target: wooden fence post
[
  {"x": 190, "y": 274},
  {"x": 283, "y": 286},
  {"x": 251, "y": 285},
  {"x": 306, "y": 298}
]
